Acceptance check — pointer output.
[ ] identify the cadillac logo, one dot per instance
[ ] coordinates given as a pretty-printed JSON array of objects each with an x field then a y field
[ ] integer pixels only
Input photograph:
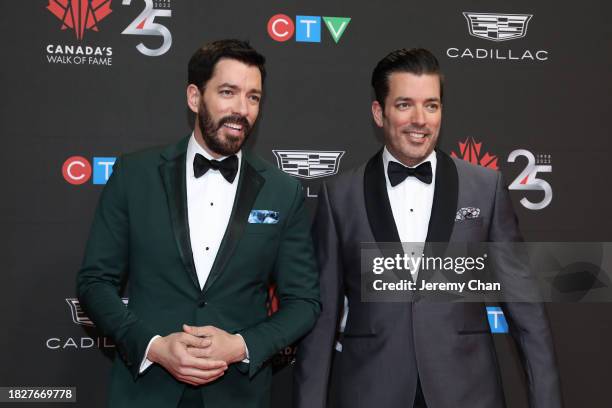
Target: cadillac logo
[
  {"x": 308, "y": 164},
  {"x": 78, "y": 315},
  {"x": 497, "y": 27}
]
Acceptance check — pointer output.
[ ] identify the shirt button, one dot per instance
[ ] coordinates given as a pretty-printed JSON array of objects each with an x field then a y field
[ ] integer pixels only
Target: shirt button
[
  {"x": 207, "y": 248},
  {"x": 202, "y": 303},
  {"x": 211, "y": 204},
  {"x": 411, "y": 210}
]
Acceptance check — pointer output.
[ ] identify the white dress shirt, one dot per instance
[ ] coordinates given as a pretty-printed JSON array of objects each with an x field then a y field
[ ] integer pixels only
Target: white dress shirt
[
  {"x": 210, "y": 199},
  {"x": 411, "y": 202}
]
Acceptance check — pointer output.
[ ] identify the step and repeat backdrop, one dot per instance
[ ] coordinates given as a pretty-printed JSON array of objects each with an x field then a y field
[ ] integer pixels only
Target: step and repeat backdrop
[{"x": 84, "y": 81}]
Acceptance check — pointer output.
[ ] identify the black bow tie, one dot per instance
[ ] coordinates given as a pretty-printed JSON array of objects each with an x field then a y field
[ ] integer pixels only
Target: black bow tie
[
  {"x": 228, "y": 167},
  {"x": 398, "y": 173}
]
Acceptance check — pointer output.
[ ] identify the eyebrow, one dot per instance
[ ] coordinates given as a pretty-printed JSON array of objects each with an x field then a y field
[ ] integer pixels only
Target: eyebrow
[
  {"x": 236, "y": 87},
  {"x": 405, "y": 98}
]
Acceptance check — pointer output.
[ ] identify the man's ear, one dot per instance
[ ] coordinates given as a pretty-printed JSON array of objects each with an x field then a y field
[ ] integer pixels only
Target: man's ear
[
  {"x": 193, "y": 98},
  {"x": 377, "y": 113}
]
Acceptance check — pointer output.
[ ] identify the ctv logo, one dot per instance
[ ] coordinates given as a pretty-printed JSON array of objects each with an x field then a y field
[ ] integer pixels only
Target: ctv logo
[
  {"x": 497, "y": 320},
  {"x": 306, "y": 28},
  {"x": 78, "y": 170}
]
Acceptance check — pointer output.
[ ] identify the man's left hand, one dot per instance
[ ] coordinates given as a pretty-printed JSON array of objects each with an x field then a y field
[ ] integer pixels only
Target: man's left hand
[{"x": 223, "y": 345}]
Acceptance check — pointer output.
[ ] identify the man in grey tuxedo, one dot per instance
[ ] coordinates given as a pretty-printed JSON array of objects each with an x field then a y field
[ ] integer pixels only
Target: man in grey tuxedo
[{"x": 414, "y": 354}]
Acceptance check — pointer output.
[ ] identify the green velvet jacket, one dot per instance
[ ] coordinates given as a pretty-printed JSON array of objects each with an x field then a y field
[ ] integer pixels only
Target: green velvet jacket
[{"x": 140, "y": 233}]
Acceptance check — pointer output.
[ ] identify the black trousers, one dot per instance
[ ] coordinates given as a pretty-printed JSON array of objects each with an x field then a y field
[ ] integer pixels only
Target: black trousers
[{"x": 192, "y": 398}]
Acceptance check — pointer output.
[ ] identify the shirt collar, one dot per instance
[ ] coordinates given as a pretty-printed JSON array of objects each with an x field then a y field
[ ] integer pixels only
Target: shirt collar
[
  {"x": 193, "y": 148},
  {"x": 387, "y": 157}
]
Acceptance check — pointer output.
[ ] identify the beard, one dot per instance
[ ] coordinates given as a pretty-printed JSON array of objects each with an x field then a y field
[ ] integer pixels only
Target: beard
[{"x": 222, "y": 144}]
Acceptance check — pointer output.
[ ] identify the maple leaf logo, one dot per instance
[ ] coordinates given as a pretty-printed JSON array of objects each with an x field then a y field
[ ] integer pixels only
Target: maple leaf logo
[
  {"x": 80, "y": 14},
  {"x": 469, "y": 150}
]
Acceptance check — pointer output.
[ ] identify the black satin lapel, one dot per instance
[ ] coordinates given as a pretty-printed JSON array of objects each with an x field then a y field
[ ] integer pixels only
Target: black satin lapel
[
  {"x": 249, "y": 185},
  {"x": 443, "y": 211},
  {"x": 444, "y": 206},
  {"x": 173, "y": 176},
  {"x": 377, "y": 202}
]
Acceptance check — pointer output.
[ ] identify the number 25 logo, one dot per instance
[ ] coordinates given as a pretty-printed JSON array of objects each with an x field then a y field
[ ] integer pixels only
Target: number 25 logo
[
  {"x": 145, "y": 24},
  {"x": 528, "y": 180}
]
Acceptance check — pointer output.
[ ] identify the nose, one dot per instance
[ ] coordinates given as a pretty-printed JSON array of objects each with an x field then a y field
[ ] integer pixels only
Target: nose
[
  {"x": 418, "y": 116},
  {"x": 241, "y": 107}
]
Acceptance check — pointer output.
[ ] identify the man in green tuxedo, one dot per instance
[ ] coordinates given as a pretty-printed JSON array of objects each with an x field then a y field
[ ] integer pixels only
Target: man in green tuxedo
[{"x": 199, "y": 229}]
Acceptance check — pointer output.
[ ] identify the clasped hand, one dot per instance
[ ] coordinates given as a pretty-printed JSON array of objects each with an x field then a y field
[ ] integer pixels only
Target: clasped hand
[{"x": 198, "y": 355}]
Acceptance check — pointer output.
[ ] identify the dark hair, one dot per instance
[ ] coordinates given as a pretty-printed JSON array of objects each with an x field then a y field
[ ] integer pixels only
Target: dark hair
[
  {"x": 203, "y": 61},
  {"x": 417, "y": 61}
]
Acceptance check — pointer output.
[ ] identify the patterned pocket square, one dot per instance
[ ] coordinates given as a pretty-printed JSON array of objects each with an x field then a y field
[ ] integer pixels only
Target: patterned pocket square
[
  {"x": 467, "y": 213},
  {"x": 263, "y": 217}
]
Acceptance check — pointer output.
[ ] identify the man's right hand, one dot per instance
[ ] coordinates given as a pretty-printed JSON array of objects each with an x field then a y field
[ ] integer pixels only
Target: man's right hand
[{"x": 171, "y": 353}]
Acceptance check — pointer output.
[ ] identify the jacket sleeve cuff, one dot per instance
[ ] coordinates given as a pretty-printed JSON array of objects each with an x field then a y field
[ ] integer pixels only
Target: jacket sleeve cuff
[
  {"x": 246, "y": 349},
  {"x": 146, "y": 363}
]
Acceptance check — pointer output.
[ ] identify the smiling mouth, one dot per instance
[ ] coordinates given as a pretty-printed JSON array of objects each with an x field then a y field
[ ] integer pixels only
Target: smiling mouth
[
  {"x": 233, "y": 126},
  {"x": 417, "y": 135}
]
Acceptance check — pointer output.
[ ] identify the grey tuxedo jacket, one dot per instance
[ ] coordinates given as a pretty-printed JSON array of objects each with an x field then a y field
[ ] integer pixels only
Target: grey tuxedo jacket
[{"x": 388, "y": 347}]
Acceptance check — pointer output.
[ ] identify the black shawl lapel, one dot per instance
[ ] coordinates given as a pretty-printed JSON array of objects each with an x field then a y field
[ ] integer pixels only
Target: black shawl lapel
[
  {"x": 249, "y": 184},
  {"x": 445, "y": 198},
  {"x": 378, "y": 206},
  {"x": 172, "y": 171},
  {"x": 442, "y": 219},
  {"x": 443, "y": 210}
]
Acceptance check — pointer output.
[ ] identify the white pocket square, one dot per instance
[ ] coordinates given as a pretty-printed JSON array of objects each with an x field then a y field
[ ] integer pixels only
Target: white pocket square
[
  {"x": 263, "y": 217},
  {"x": 467, "y": 213}
]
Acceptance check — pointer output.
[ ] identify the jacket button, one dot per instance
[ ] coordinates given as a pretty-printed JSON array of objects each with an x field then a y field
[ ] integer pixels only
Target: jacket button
[{"x": 202, "y": 303}]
